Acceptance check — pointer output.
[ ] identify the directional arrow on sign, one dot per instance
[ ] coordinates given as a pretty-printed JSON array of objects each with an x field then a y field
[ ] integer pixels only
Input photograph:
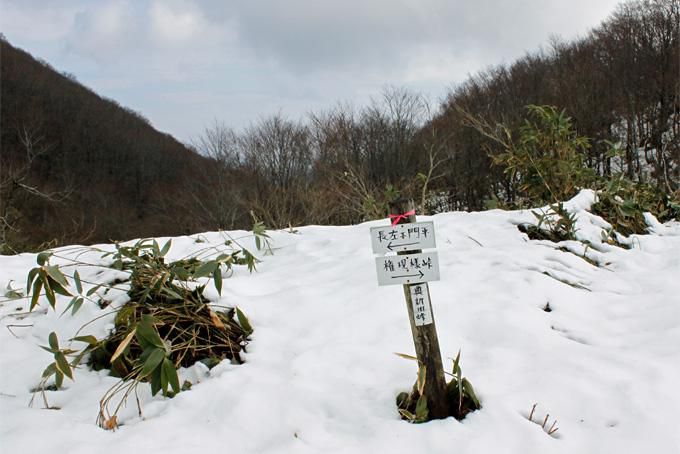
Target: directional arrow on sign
[
  {"x": 407, "y": 268},
  {"x": 420, "y": 275},
  {"x": 402, "y": 246},
  {"x": 403, "y": 237}
]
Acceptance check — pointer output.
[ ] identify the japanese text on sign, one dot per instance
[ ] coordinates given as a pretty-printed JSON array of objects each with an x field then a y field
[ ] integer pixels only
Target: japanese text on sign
[
  {"x": 403, "y": 237},
  {"x": 420, "y": 298},
  {"x": 408, "y": 268}
]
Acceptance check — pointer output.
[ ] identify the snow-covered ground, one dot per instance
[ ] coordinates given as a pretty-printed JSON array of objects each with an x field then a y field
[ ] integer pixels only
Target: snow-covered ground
[{"x": 320, "y": 374}]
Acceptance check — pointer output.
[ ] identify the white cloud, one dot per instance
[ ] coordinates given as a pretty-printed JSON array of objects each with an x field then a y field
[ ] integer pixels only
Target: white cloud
[
  {"x": 184, "y": 62},
  {"x": 175, "y": 22},
  {"x": 39, "y": 25},
  {"x": 108, "y": 32}
]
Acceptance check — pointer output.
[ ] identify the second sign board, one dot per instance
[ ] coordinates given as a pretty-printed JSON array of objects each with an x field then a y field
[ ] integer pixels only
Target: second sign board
[{"x": 407, "y": 268}]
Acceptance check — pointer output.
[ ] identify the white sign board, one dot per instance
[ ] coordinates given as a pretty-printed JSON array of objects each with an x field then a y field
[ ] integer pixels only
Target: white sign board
[
  {"x": 407, "y": 268},
  {"x": 402, "y": 237},
  {"x": 422, "y": 311}
]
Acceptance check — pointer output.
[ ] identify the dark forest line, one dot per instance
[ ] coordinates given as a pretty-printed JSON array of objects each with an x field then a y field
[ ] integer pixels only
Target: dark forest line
[{"x": 77, "y": 168}]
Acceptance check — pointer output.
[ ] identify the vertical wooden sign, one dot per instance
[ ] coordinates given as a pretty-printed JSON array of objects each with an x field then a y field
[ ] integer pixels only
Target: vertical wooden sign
[{"x": 423, "y": 327}]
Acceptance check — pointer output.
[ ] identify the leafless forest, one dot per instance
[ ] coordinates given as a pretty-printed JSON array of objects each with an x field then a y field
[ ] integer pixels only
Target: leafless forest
[{"x": 77, "y": 168}]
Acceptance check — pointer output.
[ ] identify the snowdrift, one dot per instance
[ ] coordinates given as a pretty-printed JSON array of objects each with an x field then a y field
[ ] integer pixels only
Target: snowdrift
[{"x": 595, "y": 347}]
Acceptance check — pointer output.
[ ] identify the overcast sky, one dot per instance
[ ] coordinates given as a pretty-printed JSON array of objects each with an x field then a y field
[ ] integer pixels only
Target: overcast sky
[{"x": 185, "y": 63}]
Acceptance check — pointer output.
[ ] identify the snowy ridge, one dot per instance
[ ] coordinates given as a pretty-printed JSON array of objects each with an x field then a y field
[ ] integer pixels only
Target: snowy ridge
[{"x": 320, "y": 374}]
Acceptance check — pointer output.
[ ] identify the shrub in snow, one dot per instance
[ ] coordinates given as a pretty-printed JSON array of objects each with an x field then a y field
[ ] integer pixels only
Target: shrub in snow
[
  {"x": 460, "y": 396},
  {"x": 554, "y": 224},
  {"x": 624, "y": 203},
  {"x": 547, "y": 163},
  {"x": 166, "y": 322}
]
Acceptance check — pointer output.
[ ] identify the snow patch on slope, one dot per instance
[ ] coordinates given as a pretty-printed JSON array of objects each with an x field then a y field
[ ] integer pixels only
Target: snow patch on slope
[{"x": 320, "y": 375}]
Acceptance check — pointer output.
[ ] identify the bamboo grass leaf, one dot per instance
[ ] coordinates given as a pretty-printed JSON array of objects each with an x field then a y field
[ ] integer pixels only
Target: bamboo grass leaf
[
  {"x": 31, "y": 277},
  {"x": 216, "y": 320},
  {"x": 156, "y": 381},
  {"x": 405, "y": 356},
  {"x": 171, "y": 375},
  {"x": 49, "y": 293},
  {"x": 77, "y": 305},
  {"x": 147, "y": 332},
  {"x": 90, "y": 340},
  {"x": 407, "y": 415},
  {"x": 37, "y": 287},
  {"x": 217, "y": 278},
  {"x": 55, "y": 273},
  {"x": 43, "y": 257},
  {"x": 206, "y": 269},
  {"x": 93, "y": 290},
  {"x": 422, "y": 376},
  {"x": 123, "y": 345},
  {"x": 53, "y": 341},
  {"x": 62, "y": 365},
  {"x": 165, "y": 248},
  {"x": 469, "y": 390},
  {"x": 152, "y": 362},
  {"x": 244, "y": 322},
  {"x": 58, "y": 288},
  {"x": 49, "y": 370},
  {"x": 456, "y": 365},
  {"x": 58, "y": 378},
  {"x": 422, "y": 411},
  {"x": 79, "y": 284}
]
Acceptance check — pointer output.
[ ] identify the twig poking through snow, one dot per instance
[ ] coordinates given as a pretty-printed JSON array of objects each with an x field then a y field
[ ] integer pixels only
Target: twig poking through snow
[
  {"x": 550, "y": 431},
  {"x": 9, "y": 328},
  {"x": 475, "y": 240}
]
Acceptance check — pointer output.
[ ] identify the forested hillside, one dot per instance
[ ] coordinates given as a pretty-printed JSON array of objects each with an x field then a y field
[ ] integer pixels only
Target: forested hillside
[
  {"x": 90, "y": 170},
  {"x": 77, "y": 167},
  {"x": 620, "y": 84}
]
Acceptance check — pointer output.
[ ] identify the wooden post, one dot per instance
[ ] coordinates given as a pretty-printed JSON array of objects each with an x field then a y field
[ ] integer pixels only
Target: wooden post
[{"x": 425, "y": 337}]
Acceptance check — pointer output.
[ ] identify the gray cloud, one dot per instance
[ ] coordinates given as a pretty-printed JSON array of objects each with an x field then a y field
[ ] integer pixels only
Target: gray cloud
[
  {"x": 109, "y": 33},
  {"x": 312, "y": 35},
  {"x": 184, "y": 62}
]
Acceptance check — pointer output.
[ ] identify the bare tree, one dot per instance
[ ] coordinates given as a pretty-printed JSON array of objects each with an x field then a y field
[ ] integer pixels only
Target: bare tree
[
  {"x": 217, "y": 195},
  {"x": 16, "y": 182},
  {"x": 278, "y": 157}
]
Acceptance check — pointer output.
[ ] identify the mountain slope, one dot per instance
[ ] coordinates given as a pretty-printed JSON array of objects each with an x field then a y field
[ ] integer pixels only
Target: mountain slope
[{"x": 122, "y": 178}]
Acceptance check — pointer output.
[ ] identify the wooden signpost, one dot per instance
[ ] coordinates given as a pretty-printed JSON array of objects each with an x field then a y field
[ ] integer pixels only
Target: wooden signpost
[{"x": 413, "y": 269}]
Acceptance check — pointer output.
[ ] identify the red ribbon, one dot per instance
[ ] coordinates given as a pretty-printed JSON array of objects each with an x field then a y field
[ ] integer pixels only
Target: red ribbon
[{"x": 398, "y": 217}]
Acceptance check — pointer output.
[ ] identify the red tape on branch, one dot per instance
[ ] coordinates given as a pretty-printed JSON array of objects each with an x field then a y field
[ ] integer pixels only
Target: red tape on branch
[{"x": 398, "y": 217}]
